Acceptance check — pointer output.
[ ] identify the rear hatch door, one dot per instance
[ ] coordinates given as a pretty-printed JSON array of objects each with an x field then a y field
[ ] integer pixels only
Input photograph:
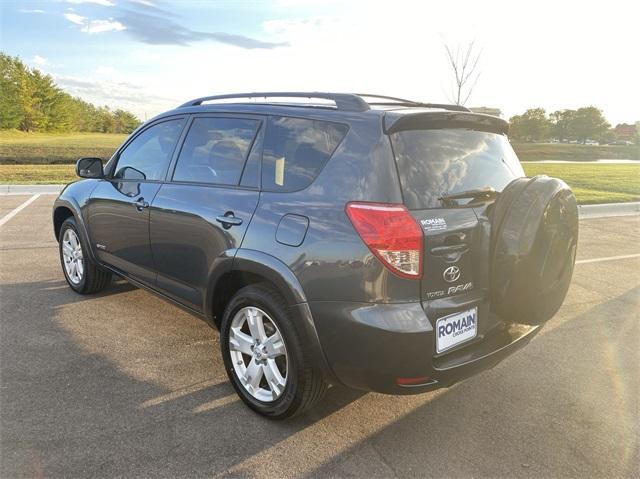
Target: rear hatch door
[{"x": 443, "y": 154}]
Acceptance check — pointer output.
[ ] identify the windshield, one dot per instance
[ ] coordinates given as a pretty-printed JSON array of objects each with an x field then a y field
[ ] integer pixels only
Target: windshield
[{"x": 432, "y": 163}]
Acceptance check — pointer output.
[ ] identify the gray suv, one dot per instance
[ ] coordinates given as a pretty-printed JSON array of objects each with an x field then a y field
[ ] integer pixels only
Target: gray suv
[{"x": 380, "y": 243}]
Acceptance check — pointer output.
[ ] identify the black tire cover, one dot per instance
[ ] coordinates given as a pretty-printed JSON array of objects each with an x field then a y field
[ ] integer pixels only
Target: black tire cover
[{"x": 534, "y": 236}]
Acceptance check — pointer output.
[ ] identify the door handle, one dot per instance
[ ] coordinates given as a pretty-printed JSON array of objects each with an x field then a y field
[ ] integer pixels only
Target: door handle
[
  {"x": 449, "y": 249},
  {"x": 228, "y": 220},
  {"x": 140, "y": 204}
]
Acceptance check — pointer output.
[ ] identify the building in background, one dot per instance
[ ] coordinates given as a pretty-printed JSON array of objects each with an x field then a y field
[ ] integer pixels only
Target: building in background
[
  {"x": 625, "y": 131},
  {"x": 487, "y": 110}
]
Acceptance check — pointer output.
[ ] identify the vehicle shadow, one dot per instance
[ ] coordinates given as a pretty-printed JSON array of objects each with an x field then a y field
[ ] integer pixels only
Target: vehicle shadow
[
  {"x": 565, "y": 406},
  {"x": 560, "y": 407},
  {"x": 67, "y": 411}
]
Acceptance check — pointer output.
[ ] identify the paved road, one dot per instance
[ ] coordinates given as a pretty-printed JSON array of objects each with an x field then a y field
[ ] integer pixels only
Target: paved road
[{"x": 123, "y": 384}]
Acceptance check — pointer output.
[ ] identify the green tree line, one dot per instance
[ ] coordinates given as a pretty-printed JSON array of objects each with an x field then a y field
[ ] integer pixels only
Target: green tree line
[
  {"x": 31, "y": 101},
  {"x": 583, "y": 124}
]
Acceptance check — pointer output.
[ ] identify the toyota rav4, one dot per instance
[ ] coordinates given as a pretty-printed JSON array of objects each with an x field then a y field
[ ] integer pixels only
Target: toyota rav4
[{"x": 384, "y": 244}]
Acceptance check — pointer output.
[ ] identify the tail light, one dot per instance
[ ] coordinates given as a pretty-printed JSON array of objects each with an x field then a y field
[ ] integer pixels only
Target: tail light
[{"x": 392, "y": 234}]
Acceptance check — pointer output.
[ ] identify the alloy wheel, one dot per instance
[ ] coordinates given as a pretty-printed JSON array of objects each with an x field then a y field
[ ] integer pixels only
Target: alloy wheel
[
  {"x": 258, "y": 353},
  {"x": 72, "y": 256}
]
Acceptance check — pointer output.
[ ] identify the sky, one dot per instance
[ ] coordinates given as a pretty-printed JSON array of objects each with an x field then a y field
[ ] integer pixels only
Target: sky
[{"x": 149, "y": 56}]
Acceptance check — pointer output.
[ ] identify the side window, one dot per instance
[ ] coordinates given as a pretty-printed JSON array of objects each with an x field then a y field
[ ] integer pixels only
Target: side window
[
  {"x": 149, "y": 154},
  {"x": 214, "y": 150},
  {"x": 295, "y": 150}
]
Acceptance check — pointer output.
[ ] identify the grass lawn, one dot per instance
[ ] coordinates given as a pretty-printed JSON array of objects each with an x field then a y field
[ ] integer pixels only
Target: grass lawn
[
  {"x": 17, "y": 147},
  {"x": 37, "y": 174},
  {"x": 568, "y": 152},
  {"x": 592, "y": 183}
]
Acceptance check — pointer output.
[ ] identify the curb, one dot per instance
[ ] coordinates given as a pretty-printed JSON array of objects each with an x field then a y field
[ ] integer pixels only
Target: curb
[
  {"x": 30, "y": 189},
  {"x": 585, "y": 211},
  {"x": 609, "y": 209}
]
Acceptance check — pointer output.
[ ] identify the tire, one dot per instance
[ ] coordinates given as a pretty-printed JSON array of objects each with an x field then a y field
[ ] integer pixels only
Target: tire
[
  {"x": 92, "y": 278},
  {"x": 502, "y": 206},
  {"x": 304, "y": 385},
  {"x": 533, "y": 250}
]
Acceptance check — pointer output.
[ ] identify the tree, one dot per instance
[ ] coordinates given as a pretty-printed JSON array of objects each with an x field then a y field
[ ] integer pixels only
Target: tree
[
  {"x": 464, "y": 66},
  {"x": 588, "y": 123},
  {"x": 31, "y": 101},
  {"x": 532, "y": 125},
  {"x": 125, "y": 122},
  {"x": 516, "y": 131},
  {"x": 561, "y": 121},
  {"x": 10, "y": 110},
  {"x": 608, "y": 136}
]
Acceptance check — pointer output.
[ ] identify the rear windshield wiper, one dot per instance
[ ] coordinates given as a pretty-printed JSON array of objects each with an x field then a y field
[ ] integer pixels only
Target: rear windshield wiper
[{"x": 478, "y": 194}]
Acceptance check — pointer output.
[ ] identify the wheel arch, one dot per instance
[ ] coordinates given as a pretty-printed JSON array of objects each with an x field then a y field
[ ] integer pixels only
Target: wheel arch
[
  {"x": 63, "y": 209},
  {"x": 60, "y": 214},
  {"x": 249, "y": 267},
  {"x": 252, "y": 267}
]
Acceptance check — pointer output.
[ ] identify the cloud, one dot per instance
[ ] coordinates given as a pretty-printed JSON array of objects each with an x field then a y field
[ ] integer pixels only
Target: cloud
[
  {"x": 104, "y": 3},
  {"x": 155, "y": 26},
  {"x": 30, "y": 10},
  {"x": 157, "y": 29},
  {"x": 99, "y": 26},
  {"x": 75, "y": 18},
  {"x": 284, "y": 26},
  {"x": 94, "y": 26},
  {"x": 40, "y": 61},
  {"x": 116, "y": 94}
]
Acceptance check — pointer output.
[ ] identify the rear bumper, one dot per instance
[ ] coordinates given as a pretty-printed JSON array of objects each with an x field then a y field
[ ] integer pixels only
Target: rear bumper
[{"x": 370, "y": 346}]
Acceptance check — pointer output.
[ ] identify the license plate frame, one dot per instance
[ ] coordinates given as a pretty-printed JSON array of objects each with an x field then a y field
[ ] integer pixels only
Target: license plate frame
[{"x": 463, "y": 328}]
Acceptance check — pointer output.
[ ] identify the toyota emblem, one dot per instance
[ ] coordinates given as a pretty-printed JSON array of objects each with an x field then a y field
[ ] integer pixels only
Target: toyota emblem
[{"x": 451, "y": 274}]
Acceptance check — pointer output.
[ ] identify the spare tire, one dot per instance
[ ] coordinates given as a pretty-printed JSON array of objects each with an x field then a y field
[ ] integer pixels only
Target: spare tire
[{"x": 534, "y": 236}]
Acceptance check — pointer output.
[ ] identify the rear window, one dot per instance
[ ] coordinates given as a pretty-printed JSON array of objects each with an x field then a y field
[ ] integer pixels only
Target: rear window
[
  {"x": 446, "y": 161},
  {"x": 295, "y": 150}
]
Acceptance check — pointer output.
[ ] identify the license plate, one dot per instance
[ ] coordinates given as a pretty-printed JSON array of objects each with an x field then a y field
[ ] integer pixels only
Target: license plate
[{"x": 455, "y": 329}]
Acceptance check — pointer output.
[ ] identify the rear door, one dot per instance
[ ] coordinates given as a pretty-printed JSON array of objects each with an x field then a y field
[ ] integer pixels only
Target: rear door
[
  {"x": 436, "y": 162},
  {"x": 118, "y": 210},
  {"x": 202, "y": 212}
]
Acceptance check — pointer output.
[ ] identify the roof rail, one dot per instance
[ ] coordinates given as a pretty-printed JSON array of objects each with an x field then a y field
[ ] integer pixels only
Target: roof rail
[
  {"x": 403, "y": 102},
  {"x": 343, "y": 101}
]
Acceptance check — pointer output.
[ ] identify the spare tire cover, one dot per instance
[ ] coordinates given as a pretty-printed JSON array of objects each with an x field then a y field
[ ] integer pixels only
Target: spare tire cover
[{"x": 534, "y": 235}]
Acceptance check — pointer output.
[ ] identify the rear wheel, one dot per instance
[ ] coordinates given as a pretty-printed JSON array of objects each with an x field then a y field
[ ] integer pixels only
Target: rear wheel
[
  {"x": 81, "y": 272},
  {"x": 264, "y": 355}
]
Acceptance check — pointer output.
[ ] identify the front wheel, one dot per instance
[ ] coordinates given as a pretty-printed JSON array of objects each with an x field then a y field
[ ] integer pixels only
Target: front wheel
[
  {"x": 80, "y": 271},
  {"x": 264, "y": 355}
]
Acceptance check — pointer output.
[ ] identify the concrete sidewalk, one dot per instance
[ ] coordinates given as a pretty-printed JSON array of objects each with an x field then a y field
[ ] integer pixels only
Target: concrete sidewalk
[
  {"x": 610, "y": 209},
  {"x": 30, "y": 189}
]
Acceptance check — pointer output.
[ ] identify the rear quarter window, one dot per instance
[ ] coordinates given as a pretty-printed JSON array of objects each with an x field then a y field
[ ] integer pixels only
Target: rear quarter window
[
  {"x": 446, "y": 161},
  {"x": 296, "y": 149}
]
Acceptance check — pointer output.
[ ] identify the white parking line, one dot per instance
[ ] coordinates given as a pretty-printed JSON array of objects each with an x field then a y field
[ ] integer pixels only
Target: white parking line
[
  {"x": 11, "y": 214},
  {"x": 608, "y": 258}
]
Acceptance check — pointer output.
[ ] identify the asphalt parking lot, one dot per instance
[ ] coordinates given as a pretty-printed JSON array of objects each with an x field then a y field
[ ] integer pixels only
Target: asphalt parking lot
[{"x": 123, "y": 384}]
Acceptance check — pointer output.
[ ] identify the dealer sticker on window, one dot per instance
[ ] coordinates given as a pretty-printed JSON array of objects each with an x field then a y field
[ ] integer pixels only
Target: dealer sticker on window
[{"x": 455, "y": 329}]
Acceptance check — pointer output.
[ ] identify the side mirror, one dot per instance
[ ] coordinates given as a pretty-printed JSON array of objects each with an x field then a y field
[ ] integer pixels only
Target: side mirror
[{"x": 89, "y": 168}]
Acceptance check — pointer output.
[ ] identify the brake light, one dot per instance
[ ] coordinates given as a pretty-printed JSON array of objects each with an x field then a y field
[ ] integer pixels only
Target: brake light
[{"x": 392, "y": 235}]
